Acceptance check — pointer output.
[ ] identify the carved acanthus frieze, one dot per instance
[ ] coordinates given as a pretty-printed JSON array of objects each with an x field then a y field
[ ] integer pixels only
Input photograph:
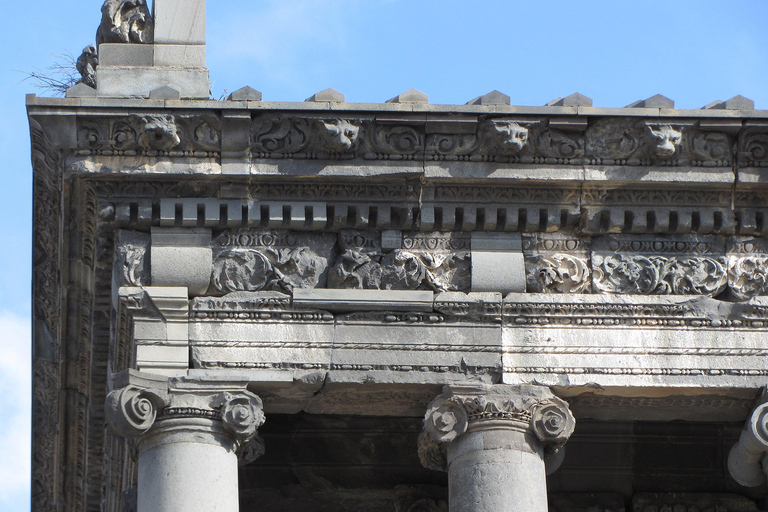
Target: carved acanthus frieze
[
  {"x": 747, "y": 267},
  {"x": 433, "y": 261},
  {"x": 557, "y": 264},
  {"x": 256, "y": 260},
  {"x": 681, "y": 266}
]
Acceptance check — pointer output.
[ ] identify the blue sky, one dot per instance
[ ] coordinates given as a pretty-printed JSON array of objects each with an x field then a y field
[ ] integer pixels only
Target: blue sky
[{"x": 616, "y": 52}]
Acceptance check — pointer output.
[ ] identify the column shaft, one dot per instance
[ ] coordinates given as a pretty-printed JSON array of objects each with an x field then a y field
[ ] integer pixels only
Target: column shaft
[
  {"x": 188, "y": 465},
  {"x": 496, "y": 471}
]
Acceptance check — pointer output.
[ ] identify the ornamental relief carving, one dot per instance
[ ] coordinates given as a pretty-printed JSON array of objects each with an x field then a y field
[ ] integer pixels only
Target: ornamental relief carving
[
  {"x": 256, "y": 260},
  {"x": 637, "y": 265},
  {"x": 526, "y": 140},
  {"x": 422, "y": 261},
  {"x": 524, "y": 408},
  {"x": 150, "y": 135}
]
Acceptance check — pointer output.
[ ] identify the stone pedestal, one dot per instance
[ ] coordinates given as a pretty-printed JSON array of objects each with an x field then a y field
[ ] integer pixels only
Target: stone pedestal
[
  {"x": 495, "y": 442},
  {"x": 748, "y": 459},
  {"x": 190, "y": 436}
]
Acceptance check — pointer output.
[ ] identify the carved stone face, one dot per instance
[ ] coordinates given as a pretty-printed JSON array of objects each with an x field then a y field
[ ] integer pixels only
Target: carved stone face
[
  {"x": 510, "y": 137},
  {"x": 339, "y": 135},
  {"x": 665, "y": 140}
]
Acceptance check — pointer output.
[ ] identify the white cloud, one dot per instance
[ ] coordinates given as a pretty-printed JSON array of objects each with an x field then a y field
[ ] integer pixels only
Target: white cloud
[{"x": 15, "y": 407}]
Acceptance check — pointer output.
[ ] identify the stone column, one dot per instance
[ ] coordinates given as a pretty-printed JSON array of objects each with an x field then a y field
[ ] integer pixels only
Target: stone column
[
  {"x": 748, "y": 459},
  {"x": 189, "y": 437},
  {"x": 497, "y": 443}
]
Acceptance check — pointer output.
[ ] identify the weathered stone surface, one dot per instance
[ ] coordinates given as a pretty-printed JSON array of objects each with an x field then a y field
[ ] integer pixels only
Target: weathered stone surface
[
  {"x": 736, "y": 103},
  {"x": 657, "y": 101},
  {"x": 86, "y": 65},
  {"x": 179, "y": 55},
  {"x": 132, "y": 259},
  {"x": 125, "y": 21},
  {"x": 433, "y": 261},
  {"x": 492, "y": 98},
  {"x": 327, "y": 95},
  {"x": 363, "y": 300},
  {"x": 165, "y": 93},
  {"x": 574, "y": 100},
  {"x": 495, "y": 439},
  {"x": 557, "y": 263},
  {"x": 497, "y": 263},
  {"x": 180, "y": 22},
  {"x": 126, "y": 54},
  {"x": 255, "y": 260},
  {"x": 246, "y": 93},
  {"x": 678, "y": 266},
  {"x": 746, "y": 460},
  {"x": 677, "y": 340},
  {"x": 173, "y": 245},
  {"x": 81, "y": 90},
  {"x": 124, "y": 82},
  {"x": 410, "y": 96}
]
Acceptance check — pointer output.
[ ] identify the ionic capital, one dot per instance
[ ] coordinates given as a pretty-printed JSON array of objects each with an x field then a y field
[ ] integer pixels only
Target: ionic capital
[
  {"x": 147, "y": 408},
  {"x": 463, "y": 408},
  {"x": 748, "y": 459}
]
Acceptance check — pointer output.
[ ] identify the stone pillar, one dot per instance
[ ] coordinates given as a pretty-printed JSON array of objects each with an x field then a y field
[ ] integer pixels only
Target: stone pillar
[
  {"x": 497, "y": 443},
  {"x": 189, "y": 436},
  {"x": 748, "y": 459}
]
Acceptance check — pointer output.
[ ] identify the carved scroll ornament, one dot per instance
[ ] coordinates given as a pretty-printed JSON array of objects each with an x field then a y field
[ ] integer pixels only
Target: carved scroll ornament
[{"x": 523, "y": 408}]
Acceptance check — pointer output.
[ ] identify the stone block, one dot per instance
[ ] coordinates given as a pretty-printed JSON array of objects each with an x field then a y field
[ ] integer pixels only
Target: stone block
[
  {"x": 410, "y": 96},
  {"x": 128, "y": 82},
  {"x": 81, "y": 91},
  {"x": 739, "y": 103},
  {"x": 126, "y": 54},
  {"x": 179, "y": 55},
  {"x": 327, "y": 95},
  {"x": 179, "y": 21},
  {"x": 259, "y": 331},
  {"x": 413, "y": 347},
  {"x": 363, "y": 300},
  {"x": 492, "y": 98},
  {"x": 165, "y": 92},
  {"x": 736, "y": 103},
  {"x": 574, "y": 100},
  {"x": 498, "y": 264},
  {"x": 182, "y": 257},
  {"x": 657, "y": 101},
  {"x": 245, "y": 94},
  {"x": 630, "y": 340}
]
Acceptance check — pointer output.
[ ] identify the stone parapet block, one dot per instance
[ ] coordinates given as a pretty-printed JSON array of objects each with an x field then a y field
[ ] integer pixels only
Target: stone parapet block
[{"x": 129, "y": 81}]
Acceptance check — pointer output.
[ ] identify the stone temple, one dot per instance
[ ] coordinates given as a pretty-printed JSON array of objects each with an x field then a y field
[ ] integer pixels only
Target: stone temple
[{"x": 249, "y": 305}]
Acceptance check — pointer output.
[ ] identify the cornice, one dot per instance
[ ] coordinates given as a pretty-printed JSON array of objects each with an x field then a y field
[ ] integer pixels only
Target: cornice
[{"x": 39, "y": 104}]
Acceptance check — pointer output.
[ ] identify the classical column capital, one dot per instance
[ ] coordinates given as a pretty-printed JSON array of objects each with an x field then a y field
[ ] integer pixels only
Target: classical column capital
[
  {"x": 463, "y": 408},
  {"x": 147, "y": 407},
  {"x": 748, "y": 459}
]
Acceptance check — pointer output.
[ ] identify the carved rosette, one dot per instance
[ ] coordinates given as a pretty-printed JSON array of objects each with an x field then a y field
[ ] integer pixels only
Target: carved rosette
[{"x": 472, "y": 407}]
